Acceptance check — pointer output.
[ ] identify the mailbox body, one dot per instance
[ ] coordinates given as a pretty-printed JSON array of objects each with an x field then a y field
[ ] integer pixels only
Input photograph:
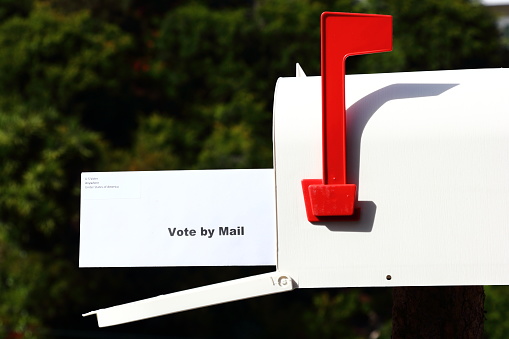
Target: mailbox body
[{"x": 429, "y": 153}]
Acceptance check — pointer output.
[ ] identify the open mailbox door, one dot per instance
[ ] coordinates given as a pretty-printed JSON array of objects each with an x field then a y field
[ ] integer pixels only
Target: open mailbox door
[{"x": 428, "y": 156}]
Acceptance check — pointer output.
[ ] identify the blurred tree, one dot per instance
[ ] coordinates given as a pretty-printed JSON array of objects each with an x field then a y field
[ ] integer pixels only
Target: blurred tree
[
  {"x": 69, "y": 62},
  {"x": 42, "y": 154},
  {"x": 149, "y": 85},
  {"x": 38, "y": 149},
  {"x": 350, "y": 313},
  {"x": 434, "y": 34},
  {"x": 219, "y": 67},
  {"x": 207, "y": 82},
  {"x": 11, "y": 8},
  {"x": 496, "y": 308}
]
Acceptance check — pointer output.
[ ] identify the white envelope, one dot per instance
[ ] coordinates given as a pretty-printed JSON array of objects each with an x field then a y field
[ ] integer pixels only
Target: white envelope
[{"x": 178, "y": 218}]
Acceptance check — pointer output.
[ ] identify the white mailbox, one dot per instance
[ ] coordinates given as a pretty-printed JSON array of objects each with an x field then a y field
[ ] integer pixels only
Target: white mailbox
[
  {"x": 427, "y": 157},
  {"x": 429, "y": 153}
]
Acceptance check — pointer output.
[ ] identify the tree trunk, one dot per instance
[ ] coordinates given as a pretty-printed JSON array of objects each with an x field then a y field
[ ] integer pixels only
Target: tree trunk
[{"x": 438, "y": 312}]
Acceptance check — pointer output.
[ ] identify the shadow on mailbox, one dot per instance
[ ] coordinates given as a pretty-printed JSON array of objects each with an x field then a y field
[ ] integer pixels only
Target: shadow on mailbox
[{"x": 358, "y": 116}]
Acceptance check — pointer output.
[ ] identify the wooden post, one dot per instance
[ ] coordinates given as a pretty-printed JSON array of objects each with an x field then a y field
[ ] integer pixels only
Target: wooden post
[{"x": 438, "y": 312}]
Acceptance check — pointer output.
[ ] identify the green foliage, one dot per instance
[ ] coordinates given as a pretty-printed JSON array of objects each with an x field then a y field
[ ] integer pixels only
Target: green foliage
[
  {"x": 66, "y": 62},
  {"x": 348, "y": 313},
  {"x": 49, "y": 58},
  {"x": 42, "y": 154},
  {"x": 435, "y": 34},
  {"x": 222, "y": 88},
  {"x": 11, "y": 8},
  {"x": 39, "y": 149},
  {"x": 496, "y": 307},
  {"x": 17, "y": 283},
  {"x": 155, "y": 147},
  {"x": 151, "y": 85},
  {"x": 332, "y": 316}
]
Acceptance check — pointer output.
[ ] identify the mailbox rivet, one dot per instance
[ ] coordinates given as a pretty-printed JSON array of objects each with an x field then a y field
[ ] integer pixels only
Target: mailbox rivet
[
  {"x": 283, "y": 281},
  {"x": 388, "y": 277}
]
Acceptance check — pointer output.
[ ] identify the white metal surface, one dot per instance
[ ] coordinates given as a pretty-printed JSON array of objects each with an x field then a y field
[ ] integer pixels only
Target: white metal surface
[
  {"x": 429, "y": 152},
  {"x": 249, "y": 287}
]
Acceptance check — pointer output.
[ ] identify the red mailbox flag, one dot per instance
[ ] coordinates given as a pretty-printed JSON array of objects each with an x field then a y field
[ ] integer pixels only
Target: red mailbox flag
[{"x": 342, "y": 35}]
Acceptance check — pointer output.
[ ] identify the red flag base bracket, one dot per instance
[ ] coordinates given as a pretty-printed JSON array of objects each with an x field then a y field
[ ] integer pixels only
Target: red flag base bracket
[{"x": 328, "y": 202}]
